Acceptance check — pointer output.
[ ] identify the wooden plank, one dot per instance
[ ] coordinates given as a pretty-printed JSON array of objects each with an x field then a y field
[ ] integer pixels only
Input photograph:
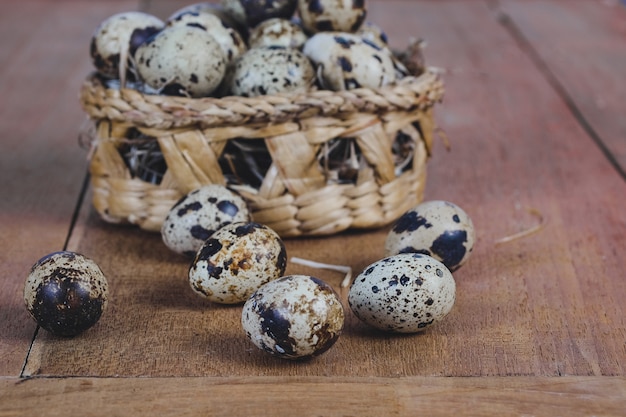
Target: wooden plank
[
  {"x": 582, "y": 45},
  {"x": 164, "y": 8},
  {"x": 43, "y": 57},
  {"x": 546, "y": 305},
  {"x": 256, "y": 396},
  {"x": 539, "y": 157}
]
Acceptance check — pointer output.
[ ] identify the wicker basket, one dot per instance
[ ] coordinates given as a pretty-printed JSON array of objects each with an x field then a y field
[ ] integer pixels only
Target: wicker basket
[{"x": 304, "y": 187}]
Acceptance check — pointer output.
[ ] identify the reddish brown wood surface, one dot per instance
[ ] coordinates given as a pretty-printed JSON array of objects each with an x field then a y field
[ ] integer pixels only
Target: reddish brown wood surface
[
  {"x": 315, "y": 396},
  {"x": 528, "y": 312},
  {"x": 580, "y": 46},
  {"x": 41, "y": 166}
]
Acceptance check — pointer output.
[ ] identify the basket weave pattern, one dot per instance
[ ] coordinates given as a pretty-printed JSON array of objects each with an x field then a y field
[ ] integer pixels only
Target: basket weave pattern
[{"x": 297, "y": 195}]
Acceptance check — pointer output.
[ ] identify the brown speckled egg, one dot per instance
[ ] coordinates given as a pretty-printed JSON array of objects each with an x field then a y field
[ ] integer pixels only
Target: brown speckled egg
[
  {"x": 293, "y": 317},
  {"x": 235, "y": 261},
  {"x": 66, "y": 293},
  {"x": 277, "y": 32},
  {"x": 332, "y": 15},
  {"x": 120, "y": 35},
  {"x": 271, "y": 70},
  {"x": 182, "y": 61},
  {"x": 404, "y": 293},
  {"x": 436, "y": 228},
  {"x": 197, "y": 215}
]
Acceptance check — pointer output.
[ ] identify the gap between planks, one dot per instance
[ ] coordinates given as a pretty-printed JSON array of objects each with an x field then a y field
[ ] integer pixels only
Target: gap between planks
[
  {"x": 508, "y": 22},
  {"x": 75, "y": 214},
  {"x": 434, "y": 396}
]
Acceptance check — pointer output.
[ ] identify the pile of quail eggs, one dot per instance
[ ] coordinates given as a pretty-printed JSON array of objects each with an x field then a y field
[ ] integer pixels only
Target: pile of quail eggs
[
  {"x": 234, "y": 260},
  {"x": 254, "y": 48},
  {"x": 245, "y": 48},
  {"x": 298, "y": 316}
]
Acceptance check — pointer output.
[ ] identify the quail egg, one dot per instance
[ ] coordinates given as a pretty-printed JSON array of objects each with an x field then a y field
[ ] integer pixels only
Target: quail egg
[
  {"x": 377, "y": 38},
  {"x": 436, "y": 228},
  {"x": 228, "y": 38},
  {"x": 332, "y": 15},
  {"x": 277, "y": 32},
  {"x": 217, "y": 10},
  {"x": 115, "y": 40},
  {"x": 66, "y": 293},
  {"x": 293, "y": 317},
  {"x": 235, "y": 261},
  {"x": 405, "y": 293},
  {"x": 253, "y": 12},
  {"x": 346, "y": 61},
  {"x": 197, "y": 215},
  {"x": 271, "y": 70},
  {"x": 373, "y": 33},
  {"x": 183, "y": 60}
]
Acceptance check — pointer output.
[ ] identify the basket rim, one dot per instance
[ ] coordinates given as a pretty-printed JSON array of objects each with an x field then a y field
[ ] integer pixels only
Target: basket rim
[{"x": 131, "y": 106}]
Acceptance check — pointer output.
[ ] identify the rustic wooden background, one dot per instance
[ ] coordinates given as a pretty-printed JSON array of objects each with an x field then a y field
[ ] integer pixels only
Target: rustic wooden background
[{"x": 533, "y": 110}]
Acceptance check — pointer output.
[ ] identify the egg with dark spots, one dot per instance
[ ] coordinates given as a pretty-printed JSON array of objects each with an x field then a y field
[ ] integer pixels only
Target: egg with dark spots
[
  {"x": 277, "y": 32},
  {"x": 332, "y": 15},
  {"x": 182, "y": 61},
  {"x": 373, "y": 33},
  {"x": 440, "y": 229},
  {"x": 293, "y": 317},
  {"x": 229, "y": 39},
  {"x": 197, "y": 215},
  {"x": 270, "y": 70},
  {"x": 235, "y": 261},
  {"x": 66, "y": 293},
  {"x": 215, "y": 9},
  {"x": 345, "y": 61},
  {"x": 252, "y": 12},
  {"x": 405, "y": 293},
  {"x": 115, "y": 40}
]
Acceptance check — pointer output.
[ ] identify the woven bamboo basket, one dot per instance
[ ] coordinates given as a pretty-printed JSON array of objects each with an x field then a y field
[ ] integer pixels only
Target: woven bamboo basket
[{"x": 315, "y": 163}]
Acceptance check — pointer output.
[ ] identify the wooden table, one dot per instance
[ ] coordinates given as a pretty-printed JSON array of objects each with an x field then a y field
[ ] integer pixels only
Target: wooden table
[{"x": 534, "y": 112}]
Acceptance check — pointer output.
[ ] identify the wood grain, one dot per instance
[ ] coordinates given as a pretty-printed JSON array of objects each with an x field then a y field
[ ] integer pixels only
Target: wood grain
[
  {"x": 547, "y": 305},
  {"x": 571, "y": 396},
  {"x": 41, "y": 165},
  {"x": 582, "y": 52},
  {"x": 539, "y": 325},
  {"x": 533, "y": 154}
]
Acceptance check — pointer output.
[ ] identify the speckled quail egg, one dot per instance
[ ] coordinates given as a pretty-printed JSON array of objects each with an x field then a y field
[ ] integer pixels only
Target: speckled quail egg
[
  {"x": 271, "y": 70},
  {"x": 198, "y": 214},
  {"x": 293, "y": 317},
  {"x": 346, "y": 61},
  {"x": 404, "y": 293},
  {"x": 253, "y": 12},
  {"x": 217, "y": 10},
  {"x": 235, "y": 261},
  {"x": 332, "y": 15},
  {"x": 436, "y": 228},
  {"x": 373, "y": 33},
  {"x": 228, "y": 37},
  {"x": 66, "y": 293},
  {"x": 182, "y": 61},
  {"x": 277, "y": 32},
  {"x": 116, "y": 38},
  {"x": 377, "y": 38}
]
